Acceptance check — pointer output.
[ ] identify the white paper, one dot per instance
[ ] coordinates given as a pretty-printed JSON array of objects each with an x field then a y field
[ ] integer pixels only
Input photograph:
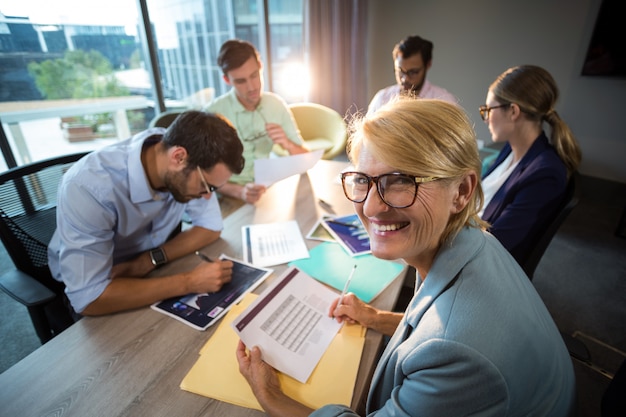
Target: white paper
[
  {"x": 273, "y": 243},
  {"x": 267, "y": 171},
  {"x": 289, "y": 322}
]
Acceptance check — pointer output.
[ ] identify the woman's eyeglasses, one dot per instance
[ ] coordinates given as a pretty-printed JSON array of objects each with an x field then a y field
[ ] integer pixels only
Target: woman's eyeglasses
[
  {"x": 484, "y": 110},
  {"x": 395, "y": 189}
]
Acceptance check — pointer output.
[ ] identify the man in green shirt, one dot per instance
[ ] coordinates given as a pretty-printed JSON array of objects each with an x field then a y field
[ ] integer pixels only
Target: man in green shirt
[{"x": 262, "y": 118}]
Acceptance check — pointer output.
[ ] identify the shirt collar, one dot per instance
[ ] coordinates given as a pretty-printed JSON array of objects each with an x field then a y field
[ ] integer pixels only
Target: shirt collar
[
  {"x": 236, "y": 104},
  {"x": 425, "y": 87},
  {"x": 139, "y": 186}
]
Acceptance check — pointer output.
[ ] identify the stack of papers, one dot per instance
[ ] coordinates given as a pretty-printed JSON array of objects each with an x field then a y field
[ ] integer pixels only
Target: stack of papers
[{"x": 216, "y": 373}]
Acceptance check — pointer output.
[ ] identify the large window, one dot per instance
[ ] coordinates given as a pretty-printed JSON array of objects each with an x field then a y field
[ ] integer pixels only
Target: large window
[
  {"x": 67, "y": 77},
  {"x": 76, "y": 76},
  {"x": 189, "y": 33}
]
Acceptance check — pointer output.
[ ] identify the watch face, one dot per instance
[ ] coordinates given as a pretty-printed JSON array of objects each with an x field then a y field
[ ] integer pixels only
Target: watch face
[{"x": 158, "y": 257}]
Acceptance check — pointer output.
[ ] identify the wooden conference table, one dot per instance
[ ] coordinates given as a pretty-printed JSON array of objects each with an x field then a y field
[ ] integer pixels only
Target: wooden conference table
[{"x": 132, "y": 363}]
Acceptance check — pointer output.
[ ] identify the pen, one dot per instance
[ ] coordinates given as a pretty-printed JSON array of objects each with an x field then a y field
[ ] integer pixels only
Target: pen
[
  {"x": 326, "y": 205},
  {"x": 322, "y": 202},
  {"x": 204, "y": 257},
  {"x": 345, "y": 287},
  {"x": 350, "y": 225}
]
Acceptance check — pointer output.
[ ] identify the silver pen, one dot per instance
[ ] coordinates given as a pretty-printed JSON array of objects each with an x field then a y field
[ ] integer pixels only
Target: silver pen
[
  {"x": 345, "y": 287},
  {"x": 204, "y": 257}
]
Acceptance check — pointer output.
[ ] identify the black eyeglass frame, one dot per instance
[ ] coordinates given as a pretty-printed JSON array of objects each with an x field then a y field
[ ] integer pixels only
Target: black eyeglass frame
[
  {"x": 371, "y": 180},
  {"x": 410, "y": 73},
  {"x": 258, "y": 135},
  {"x": 485, "y": 109},
  {"x": 255, "y": 137}
]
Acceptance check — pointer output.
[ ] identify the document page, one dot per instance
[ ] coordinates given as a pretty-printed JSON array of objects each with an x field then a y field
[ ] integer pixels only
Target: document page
[
  {"x": 267, "y": 171},
  {"x": 216, "y": 372},
  {"x": 289, "y": 322},
  {"x": 273, "y": 243}
]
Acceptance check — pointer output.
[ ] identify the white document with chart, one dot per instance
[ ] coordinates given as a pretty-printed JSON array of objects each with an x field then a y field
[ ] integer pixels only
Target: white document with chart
[
  {"x": 273, "y": 243},
  {"x": 289, "y": 322}
]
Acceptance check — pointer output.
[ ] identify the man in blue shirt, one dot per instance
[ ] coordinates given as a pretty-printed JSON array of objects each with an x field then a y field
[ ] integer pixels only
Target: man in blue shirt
[{"x": 118, "y": 206}]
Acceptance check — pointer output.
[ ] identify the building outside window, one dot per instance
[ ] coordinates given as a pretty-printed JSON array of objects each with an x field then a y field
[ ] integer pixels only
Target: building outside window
[{"x": 75, "y": 76}]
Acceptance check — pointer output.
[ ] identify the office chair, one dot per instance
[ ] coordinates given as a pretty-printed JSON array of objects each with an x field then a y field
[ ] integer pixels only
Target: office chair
[
  {"x": 613, "y": 400},
  {"x": 569, "y": 202},
  {"x": 200, "y": 98},
  {"x": 28, "y": 196},
  {"x": 321, "y": 128}
]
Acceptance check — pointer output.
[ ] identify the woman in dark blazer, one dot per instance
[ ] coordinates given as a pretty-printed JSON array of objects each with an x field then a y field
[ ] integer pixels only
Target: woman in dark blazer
[{"x": 525, "y": 187}]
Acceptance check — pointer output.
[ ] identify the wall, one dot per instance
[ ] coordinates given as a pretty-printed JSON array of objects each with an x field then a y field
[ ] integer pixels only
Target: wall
[{"x": 475, "y": 41}]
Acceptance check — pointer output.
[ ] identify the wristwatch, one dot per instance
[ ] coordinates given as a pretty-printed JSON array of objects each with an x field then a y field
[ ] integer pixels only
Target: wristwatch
[{"x": 158, "y": 258}]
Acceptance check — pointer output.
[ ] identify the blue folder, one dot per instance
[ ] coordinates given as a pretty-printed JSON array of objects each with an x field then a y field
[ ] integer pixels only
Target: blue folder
[{"x": 329, "y": 263}]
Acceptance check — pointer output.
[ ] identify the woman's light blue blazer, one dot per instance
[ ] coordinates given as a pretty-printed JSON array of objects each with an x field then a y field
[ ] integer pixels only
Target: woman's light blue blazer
[{"x": 476, "y": 340}]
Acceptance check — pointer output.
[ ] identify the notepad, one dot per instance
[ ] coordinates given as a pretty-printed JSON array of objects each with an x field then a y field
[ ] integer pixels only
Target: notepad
[
  {"x": 216, "y": 372},
  {"x": 330, "y": 264}
]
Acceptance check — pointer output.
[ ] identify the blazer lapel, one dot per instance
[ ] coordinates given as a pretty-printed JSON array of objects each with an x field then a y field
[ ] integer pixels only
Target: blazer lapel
[
  {"x": 494, "y": 207},
  {"x": 449, "y": 262}
]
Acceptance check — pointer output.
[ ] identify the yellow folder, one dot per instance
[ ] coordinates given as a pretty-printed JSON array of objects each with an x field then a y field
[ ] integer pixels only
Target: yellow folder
[{"x": 216, "y": 373}]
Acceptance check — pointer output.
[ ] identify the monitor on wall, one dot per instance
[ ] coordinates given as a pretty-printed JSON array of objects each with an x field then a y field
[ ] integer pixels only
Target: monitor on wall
[{"x": 606, "y": 55}]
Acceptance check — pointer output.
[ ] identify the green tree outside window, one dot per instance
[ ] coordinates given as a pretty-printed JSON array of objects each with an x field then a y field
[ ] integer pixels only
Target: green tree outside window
[{"x": 79, "y": 74}]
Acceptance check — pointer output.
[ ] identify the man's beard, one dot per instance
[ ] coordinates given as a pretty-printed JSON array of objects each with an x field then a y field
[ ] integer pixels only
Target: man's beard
[
  {"x": 176, "y": 185},
  {"x": 410, "y": 89}
]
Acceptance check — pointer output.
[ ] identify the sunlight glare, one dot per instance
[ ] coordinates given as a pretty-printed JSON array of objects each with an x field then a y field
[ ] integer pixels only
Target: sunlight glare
[{"x": 295, "y": 79}]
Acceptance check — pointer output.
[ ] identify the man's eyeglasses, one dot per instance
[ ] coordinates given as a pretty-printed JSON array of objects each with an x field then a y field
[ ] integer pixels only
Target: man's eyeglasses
[
  {"x": 395, "y": 189},
  {"x": 208, "y": 187},
  {"x": 254, "y": 137},
  {"x": 258, "y": 135},
  {"x": 413, "y": 72},
  {"x": 484, "y": 110}
]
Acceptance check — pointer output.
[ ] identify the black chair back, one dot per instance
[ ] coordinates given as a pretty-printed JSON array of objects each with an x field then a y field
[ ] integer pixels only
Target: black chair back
[
  {"x": 28, "y": 199},
  {"x": 164, "y": 119},
  {"x": 569, "y": 202}
]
